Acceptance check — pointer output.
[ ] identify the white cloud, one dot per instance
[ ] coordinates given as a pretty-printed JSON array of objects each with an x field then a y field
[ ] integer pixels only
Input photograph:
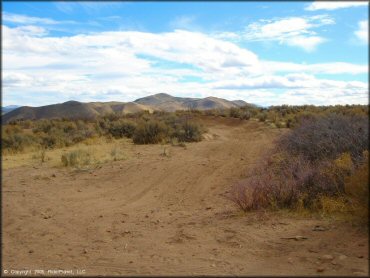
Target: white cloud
[
  {"x": 114, "y": 48},
  {"x": 318, "y": 97},
  {"x": 89, "y": 7},
  {"x": 29, "y": 20},
  {"x": 297, "y": 89},
  {"x": 322, "y": 68},
  {"x": 29, "y": 30},
  {"x": 186, "y": 22},
  {"x": 15, "y": 79},
  {"x": 276, "y": 29},
  {"x": 293, "y": 31},
  {"x": 135, "y": 64},
  {"x": 307, "y": 43},
  {"x": 113, "y": 61},
  {"x": 333, "y": 5},
  {"x": 23, "y": 19},
  {"x": 301, "y": 81},
  {"x": 363, "y": 31},
  {"x": 227, "y": 35}
]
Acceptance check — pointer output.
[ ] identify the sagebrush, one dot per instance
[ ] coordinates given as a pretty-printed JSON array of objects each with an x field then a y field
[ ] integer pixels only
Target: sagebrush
[{"x": 323, "y": 158}]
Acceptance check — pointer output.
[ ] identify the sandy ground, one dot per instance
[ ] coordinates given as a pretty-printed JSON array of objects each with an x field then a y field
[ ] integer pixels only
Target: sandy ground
[{"x": 167, "y": 215}]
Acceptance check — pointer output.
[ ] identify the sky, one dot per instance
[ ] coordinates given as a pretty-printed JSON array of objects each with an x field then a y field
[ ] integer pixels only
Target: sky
[{"x": 266, "y": 53}]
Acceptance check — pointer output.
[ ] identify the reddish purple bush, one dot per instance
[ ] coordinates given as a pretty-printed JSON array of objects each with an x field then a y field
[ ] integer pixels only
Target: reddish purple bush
[
  {"x": 304, "y": 166},
  {"x": 326, "y": 137}
]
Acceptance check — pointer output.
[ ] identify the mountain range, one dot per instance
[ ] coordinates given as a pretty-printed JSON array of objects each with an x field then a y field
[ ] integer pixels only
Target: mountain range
[
  {"x": 81, "y": 110},
  {"x": 8, "y": 108}
]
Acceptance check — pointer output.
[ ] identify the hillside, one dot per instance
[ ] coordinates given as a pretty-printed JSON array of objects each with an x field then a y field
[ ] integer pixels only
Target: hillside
[
  {"x": 8, "y": 108},
  {"x": 75, "y": 109}
]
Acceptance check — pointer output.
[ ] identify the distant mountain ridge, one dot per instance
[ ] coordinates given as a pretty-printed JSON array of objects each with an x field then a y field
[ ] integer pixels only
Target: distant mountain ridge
[
  {"x": 8, "y": 108},
  {"x": 81, "y": 110}
]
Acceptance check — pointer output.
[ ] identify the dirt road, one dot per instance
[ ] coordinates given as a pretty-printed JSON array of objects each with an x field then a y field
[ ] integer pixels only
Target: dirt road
[{"x": 154, "y": 214}]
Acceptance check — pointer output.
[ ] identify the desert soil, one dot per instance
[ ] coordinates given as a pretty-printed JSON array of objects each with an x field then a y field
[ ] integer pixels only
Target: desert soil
[{"x": 154, "y": 214}]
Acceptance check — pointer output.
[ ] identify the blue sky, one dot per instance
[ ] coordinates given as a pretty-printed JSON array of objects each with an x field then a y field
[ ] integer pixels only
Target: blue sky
[{"x": 267, "y": 53}]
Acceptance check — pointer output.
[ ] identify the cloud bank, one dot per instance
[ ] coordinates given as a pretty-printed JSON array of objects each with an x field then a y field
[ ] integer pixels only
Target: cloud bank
[
  {"x": 293, "y": 31},
  {"x": 39, "y": 68},
  {"x": 334, "y": 5},
  {"x": 363, "y": 31}
]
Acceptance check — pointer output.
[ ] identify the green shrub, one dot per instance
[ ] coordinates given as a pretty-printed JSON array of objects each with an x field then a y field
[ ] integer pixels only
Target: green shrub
[
  {"x": 210, "y": 112},
  {"x": 189, "y": 132},
  {"x": 42, "y": 126},
  {"x": 245, "y": 115},
  {"x": 109, "y": 117},
  {"x": 234, "y": 112},
  {"x": 17, "y": 142},
  {"x": 150, "y": 132},
  {"x": 262, "y": 117},
  {"x": 279, "y": 124},
  {"x": 122, "y": 128}
]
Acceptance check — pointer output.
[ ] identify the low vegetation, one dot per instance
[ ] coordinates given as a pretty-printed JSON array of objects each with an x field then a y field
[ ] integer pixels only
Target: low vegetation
[
  {"x": 320, "y": 164},
  {"x": 150, "y": 132},
  {"x": 143, "y": 128},
  {"x": 286, "y": 115},
  {"x": 150, "y": 128},
  {"x": 40, "y": 155},
  {"x": 77, "y": 158}
]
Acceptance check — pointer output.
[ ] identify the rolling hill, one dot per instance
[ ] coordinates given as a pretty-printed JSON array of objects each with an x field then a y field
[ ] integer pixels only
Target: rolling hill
[
  {"x": 80, "y": 110},
  {"x": 8, "y": 108}
]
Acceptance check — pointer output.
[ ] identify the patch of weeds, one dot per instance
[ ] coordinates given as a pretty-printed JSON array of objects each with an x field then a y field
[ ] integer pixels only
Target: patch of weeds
[
  {"x": 165, "y": 152},
  {"x": 176, "y": 143},
  {"x": 117, "y": 154},
  {"x": 40, "y": 156},
  {"x": 78, "y": 158}
]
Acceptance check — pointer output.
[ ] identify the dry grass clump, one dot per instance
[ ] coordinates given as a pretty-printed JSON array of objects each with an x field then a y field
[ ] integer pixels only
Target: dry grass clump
[
  {"x": 102, "y": 150},
  {"x": 339, "y": 205},
  {"x": 176, "y": 143},
  {"x": 77, "y": 158},
  {"x": 165, "y": 152},
  {"x": 357, "y": 189},
  {"x": 40, "y": 155},
  {"x": 117, "y": 153}
]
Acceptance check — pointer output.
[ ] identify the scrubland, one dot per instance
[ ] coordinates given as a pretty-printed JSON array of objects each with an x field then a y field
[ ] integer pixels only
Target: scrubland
[{"x": 244, "y": 191}]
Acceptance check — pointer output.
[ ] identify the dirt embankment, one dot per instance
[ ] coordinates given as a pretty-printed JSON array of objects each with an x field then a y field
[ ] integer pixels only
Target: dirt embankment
[{"x": 154, "y": 214}]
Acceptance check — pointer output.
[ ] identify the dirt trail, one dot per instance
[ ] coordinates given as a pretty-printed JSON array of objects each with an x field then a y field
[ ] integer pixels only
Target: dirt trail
[{"x": 166, "y": 215}]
